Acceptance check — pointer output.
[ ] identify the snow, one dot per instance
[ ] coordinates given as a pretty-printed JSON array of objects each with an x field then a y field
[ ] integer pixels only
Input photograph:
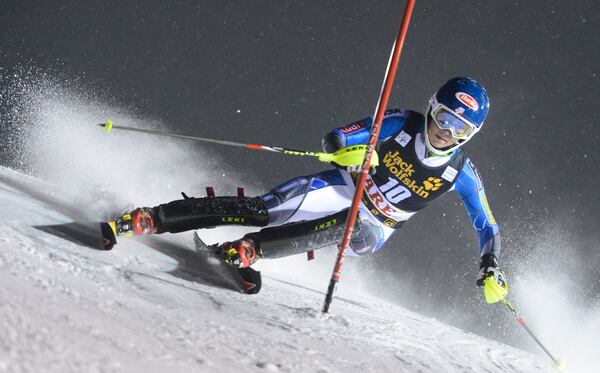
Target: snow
[
  {"x": 147, "y": 305},
  {"x": 65, "y": 307}
]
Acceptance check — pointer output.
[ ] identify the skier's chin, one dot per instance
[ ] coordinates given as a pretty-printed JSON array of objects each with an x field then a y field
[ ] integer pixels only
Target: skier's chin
[{"x": 440, "y": 143}]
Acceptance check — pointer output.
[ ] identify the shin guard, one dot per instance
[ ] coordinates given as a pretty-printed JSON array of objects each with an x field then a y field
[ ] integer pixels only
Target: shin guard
[
  {"x": 299, "y": 237},
  {"x": 196, "y": 213}
]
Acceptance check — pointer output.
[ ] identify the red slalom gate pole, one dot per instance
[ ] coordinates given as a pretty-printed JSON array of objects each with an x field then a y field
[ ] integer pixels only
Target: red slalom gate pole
[{"x": 388, "y": 82}]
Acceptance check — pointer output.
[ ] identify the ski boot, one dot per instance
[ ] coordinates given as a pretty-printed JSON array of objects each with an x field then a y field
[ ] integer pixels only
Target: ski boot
[
  {"x": 137, "y": 222},
  {"x": 241, "y": 253}
]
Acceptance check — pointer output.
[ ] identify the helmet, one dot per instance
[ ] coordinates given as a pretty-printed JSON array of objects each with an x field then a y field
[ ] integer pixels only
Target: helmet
[{"x": 460, "y": 106}]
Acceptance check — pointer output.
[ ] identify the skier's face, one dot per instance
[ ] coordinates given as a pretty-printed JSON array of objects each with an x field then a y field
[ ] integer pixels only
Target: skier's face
[{"x": 438, "y": 137}]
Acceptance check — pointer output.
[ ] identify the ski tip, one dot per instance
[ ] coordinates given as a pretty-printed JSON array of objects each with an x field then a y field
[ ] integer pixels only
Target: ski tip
[
  {"x": 250, "y": 280},
  {"x": 109, "y": 239}
]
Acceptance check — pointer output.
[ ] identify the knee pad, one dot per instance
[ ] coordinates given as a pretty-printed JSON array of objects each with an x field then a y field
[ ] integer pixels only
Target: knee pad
[{"x": 366, "y": 238}]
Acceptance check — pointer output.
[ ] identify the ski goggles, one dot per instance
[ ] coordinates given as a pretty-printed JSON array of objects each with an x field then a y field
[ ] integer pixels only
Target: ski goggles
[{"x": 446, "y": 119}]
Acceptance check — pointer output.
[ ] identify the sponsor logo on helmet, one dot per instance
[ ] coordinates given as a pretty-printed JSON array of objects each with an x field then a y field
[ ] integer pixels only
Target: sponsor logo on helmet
[
  {"x": 467, "y": 100},
  {"x": 459, "y": 110}
]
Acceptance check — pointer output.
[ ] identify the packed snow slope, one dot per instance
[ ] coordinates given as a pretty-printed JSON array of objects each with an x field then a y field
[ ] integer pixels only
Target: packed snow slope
[
  {"x": 146, "y": 306},
  {"x": 152, "y": 305}
]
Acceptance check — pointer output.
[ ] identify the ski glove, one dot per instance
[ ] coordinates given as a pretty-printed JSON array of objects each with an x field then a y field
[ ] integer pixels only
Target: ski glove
[
  {"x": 372, "y": 169},
  {"x": 350, "y": 158},
  {"x": 492, "y": 279}
]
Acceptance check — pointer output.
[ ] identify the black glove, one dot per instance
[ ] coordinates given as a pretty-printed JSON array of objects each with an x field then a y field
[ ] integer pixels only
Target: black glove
[
  {"x": 332, "y": 142},
  {"x": 489, "y": 268}
]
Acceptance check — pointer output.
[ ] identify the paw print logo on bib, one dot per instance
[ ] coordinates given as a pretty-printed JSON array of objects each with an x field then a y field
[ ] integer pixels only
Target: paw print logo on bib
[{"x": 432, "y": 183}]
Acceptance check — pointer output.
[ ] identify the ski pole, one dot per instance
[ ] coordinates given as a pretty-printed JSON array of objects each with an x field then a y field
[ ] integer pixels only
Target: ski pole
[
  {"x": 558, "y": 362},
  {"x": 495, "y": 292},
  {"x": 346, "y": 157},
  {"x": 373, "y": 138}
]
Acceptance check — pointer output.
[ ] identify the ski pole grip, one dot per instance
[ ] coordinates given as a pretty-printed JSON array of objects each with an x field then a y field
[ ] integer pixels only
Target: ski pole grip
[{"x": 349, "y": 156}]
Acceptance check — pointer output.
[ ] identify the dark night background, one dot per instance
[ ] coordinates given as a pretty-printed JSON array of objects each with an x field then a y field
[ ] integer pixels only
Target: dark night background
[{"x": 285, "y": 72}]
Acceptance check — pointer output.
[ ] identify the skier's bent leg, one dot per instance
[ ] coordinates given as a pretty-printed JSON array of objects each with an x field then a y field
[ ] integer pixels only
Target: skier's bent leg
[
  {"x": 280, "y": 205},
  {"x": 308, "y": 213},
  {"x": 298, "y": 237}
]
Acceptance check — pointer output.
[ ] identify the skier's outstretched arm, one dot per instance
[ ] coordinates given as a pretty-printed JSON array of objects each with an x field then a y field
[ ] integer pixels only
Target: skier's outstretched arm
[
  {"x": 470, "y": 188},
  {"x": 358, "y": 132}
]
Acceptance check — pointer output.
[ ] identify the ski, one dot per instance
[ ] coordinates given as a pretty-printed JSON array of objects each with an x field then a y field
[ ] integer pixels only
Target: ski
[
  {"x": 109, "y": 238},
  {"x": 246, "y": 280}
]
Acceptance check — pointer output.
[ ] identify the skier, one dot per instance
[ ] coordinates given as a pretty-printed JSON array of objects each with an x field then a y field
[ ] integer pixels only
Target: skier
[{"x": 421, "y": 159}]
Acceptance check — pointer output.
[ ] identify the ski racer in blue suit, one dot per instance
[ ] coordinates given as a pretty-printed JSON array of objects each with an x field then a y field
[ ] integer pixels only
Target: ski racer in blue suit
[
  {"x": 468, "y": 184},
  {"x": 421, "y": 159}
]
